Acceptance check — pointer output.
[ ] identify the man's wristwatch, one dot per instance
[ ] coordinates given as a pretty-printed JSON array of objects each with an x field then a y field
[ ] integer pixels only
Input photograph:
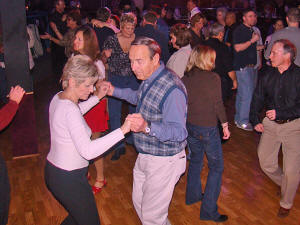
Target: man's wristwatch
[{"x": 148, "y": 129}]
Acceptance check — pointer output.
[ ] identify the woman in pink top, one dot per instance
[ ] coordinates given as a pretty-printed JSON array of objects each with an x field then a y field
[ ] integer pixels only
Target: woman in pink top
[{"x": 71, "y": 146}]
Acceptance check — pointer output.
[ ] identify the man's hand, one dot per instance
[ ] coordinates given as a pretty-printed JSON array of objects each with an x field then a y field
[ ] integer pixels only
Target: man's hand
[
  {"x": 138, "y": 124},
  {"x": 234, "y": 84},
  {"x": 101, "y": 89},
  {"x": 259, "y": 127},
  {"x": 226, "y": 133},
  {"x": 255, "y": 37},
  {"x": 271, "y": 114},
  {"x": 108, "y": 85},
  {"x": 16, "y": 94}
]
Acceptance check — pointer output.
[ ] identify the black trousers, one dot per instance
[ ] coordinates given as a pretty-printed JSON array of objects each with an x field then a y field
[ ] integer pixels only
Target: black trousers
[
  {"x": 72, "y": 190},
  {"x": 4, "y": 192}
]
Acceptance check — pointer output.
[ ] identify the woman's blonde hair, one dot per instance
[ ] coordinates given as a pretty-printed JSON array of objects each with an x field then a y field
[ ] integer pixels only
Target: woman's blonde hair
[
  {"x": 128, "y": 18},
  {"x": 202, "y": 57},
  {"x": 80, "y": 68}
]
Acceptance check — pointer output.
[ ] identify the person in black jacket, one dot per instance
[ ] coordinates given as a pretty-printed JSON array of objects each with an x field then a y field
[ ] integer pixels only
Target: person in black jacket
[
  {"x": 148, "y": 29},
  {"x": 278, "y": 91},
  {"x": 224, "y": 64}
]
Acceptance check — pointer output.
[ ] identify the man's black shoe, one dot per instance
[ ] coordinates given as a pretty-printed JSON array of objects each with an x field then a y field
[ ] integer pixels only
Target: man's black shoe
[{"x": 221, "y": 218}]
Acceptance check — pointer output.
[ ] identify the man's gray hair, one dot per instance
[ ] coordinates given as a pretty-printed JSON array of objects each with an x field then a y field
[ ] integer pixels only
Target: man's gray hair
[
  {"x": 152, "y": 45},
  {"x": 215, "y": 29},
  {"x": 223, "y": 10}
]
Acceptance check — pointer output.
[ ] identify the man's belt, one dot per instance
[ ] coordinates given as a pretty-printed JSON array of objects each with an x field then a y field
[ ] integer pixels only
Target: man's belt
[
  {"x": 248, "y": 66},
  {"x": 285, "y": 121}
]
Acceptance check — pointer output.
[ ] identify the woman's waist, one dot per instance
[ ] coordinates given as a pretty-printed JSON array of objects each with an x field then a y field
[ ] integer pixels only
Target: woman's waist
[{"x": 66, "y": 159}]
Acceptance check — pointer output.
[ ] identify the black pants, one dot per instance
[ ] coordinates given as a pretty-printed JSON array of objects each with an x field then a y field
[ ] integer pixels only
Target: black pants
[
  {"x": 72, "y": 190},
  {"x": 4, "y": 192}
]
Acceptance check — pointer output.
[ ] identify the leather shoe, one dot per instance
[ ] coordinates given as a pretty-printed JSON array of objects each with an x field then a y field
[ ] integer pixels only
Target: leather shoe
[
  {"x": 282, "y": 212},
  {"x": 221, "y": 218}
]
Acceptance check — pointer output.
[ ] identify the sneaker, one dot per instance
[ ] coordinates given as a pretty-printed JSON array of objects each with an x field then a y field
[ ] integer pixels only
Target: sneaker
[{"x": 247, "y": 127}]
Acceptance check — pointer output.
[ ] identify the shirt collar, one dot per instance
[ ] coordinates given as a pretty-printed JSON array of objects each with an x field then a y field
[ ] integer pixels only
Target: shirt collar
[
  {"x": 290, "y": 68},
  {"x": 155, "y": 73},
  {"x": 186, "y": 47}
]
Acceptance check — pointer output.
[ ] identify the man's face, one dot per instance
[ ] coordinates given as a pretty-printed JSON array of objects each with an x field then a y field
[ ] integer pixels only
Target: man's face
[
  {"x": 250, "y": 19},
  {"x": 230, "y": 19},
  {"x": 60, "y": 6},
  {"x": 190, "y": 5},
  {"x": 141, "y": 63},
  {"x": 278, "y": 25},
  {"x": 278, "y": 57},
  {"x": 220, "y": 17}
]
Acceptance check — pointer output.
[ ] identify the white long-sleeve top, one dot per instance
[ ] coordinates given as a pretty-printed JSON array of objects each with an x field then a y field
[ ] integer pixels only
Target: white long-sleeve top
[{"x": 71, "y": 146}]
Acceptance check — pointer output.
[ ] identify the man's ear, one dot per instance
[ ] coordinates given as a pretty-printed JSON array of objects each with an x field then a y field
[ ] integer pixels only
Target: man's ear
[{"x": 156, "y": 58}]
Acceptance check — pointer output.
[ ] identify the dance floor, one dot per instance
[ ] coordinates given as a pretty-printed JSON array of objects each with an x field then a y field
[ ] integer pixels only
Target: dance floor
[{"x": 248, "y": 197}]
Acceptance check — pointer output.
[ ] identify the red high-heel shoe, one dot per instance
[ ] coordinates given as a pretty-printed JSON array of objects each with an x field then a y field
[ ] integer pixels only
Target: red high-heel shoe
[{"x": 98, "y": 189}]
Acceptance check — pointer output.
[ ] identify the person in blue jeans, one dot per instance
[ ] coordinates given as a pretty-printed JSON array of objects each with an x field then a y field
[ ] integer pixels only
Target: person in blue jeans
[
  {"x": 116, "y": 50},
  {"x": 205, "y": 108}
]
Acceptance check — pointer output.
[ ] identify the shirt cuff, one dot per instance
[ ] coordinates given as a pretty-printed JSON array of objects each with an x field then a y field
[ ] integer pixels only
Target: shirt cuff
[
  {"x": 154, "y": 129},
  {"x": 117, "y": 92},
  {"x": 118, "y": 134},
  {"x": 94, "y": 99}
]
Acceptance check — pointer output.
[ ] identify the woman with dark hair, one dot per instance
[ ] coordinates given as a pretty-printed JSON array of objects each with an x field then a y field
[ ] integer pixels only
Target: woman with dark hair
[
  {"x": 180, "y": 39},
  {"x": 86, "y": 43},
  {"x": 205, "y": 109},
  {"x": 71, "y": 146}
]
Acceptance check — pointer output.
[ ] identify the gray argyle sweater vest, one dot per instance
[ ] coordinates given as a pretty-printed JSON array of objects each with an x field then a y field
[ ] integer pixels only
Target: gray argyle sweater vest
[{"x": 150, "y": 104}]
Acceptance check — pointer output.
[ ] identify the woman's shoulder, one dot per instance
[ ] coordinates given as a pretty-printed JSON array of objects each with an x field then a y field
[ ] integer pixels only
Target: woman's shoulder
[{"x": 62, "y": 104}]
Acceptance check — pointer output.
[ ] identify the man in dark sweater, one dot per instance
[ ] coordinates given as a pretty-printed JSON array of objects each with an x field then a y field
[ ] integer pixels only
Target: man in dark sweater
[
  {"x": 224, "y": 63},
  {"x": 59, "y": 28},
  {"x": 103, "y": 31},
  {"x": 148, "y": 29}
]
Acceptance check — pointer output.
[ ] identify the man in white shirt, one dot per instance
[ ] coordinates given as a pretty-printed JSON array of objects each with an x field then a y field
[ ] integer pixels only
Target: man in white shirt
[{"x": 192, "y": 8}]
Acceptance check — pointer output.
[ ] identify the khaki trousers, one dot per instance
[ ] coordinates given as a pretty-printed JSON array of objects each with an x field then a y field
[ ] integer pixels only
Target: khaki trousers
[
  {"x": 287, "y": 177},
  {"x": 154, "y": 180}
]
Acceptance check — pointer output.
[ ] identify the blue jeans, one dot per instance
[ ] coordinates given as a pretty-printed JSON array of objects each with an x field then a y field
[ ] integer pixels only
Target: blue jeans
[
  {"x": 246, "y": 79},
  {"x": 204, "y": 140},
  {"x": 115, "y": 105}
]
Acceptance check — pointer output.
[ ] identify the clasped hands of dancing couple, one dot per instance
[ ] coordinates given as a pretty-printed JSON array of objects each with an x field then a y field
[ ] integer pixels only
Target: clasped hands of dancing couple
[{"x": 135, "y": 120}]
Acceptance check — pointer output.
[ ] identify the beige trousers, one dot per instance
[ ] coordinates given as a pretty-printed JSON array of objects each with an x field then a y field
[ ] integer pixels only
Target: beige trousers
[{"x": 287, "y": 177}]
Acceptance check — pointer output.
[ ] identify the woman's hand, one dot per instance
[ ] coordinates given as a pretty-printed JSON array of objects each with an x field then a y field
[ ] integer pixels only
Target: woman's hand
[
  {"x": 16, "y": 94},
  {"x": 126, "y": 126},
  {"x": 226, "y": 131}
]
